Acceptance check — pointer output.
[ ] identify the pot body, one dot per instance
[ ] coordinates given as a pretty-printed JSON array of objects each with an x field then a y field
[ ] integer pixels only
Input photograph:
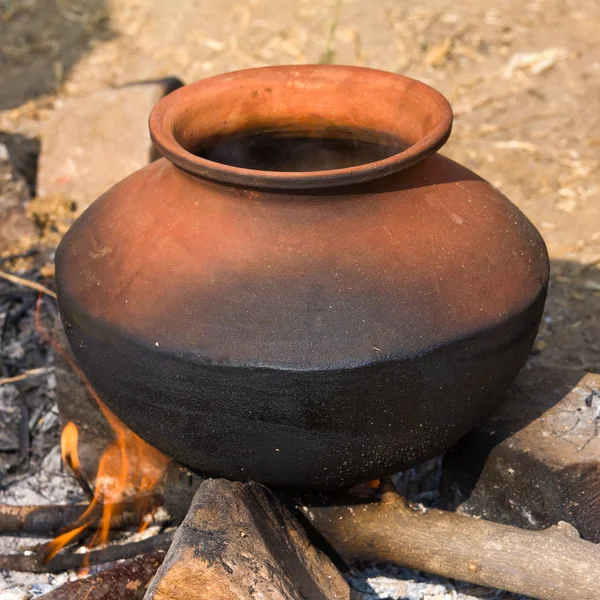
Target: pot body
[{"x": 309, "y": 337}]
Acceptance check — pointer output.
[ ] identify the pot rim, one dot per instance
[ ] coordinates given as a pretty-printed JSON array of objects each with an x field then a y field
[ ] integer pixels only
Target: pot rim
[{"x": 176, "y": 114}]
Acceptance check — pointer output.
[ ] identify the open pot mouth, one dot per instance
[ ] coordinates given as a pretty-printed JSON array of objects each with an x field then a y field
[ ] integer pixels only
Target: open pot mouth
[{"x": 299, "y": 127}]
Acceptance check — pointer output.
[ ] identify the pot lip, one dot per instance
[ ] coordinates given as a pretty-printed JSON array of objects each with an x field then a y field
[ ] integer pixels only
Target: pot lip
[{"x": 163, "y": 117}]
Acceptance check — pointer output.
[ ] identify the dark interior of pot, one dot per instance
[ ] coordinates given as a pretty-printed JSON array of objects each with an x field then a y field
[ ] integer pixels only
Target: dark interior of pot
[
  {"x": 313, "y": 121},
  {"x": 299, "y": 151}
]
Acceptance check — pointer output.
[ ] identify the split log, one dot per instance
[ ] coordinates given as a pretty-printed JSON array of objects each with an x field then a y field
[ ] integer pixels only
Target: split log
[
  {"x": 553, "y": 564},
  {"x": 536, "y": 459},
  {"x": 127, "y": 581},
  {"x": 238, "y": 542}
]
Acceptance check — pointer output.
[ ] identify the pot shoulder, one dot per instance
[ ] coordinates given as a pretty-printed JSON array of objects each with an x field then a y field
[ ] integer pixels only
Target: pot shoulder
[{"x": 341, "y": 277}]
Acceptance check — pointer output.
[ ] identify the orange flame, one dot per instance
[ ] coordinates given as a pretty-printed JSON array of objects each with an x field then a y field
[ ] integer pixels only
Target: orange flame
[
  {"x": 68, "y": 447},
  {"x": 129, "y": 466},
  {"x": 62, "y": 540}
]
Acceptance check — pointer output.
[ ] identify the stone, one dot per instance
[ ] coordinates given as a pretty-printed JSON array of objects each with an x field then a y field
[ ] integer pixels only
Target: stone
[
  {"x": 536, "y": 460},
  {"x": 14, "y": 195},
  {"x": 13, "y": 187},
  {"x": 239, "y": 542},
  {"x": 92, "y": 142},
  {"x": 23, "y": 151}
]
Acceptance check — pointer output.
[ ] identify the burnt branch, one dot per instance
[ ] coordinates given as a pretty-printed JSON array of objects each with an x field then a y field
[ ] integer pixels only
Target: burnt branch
[
  {"x": 33, "y": 562},
  {"x": 127, "y": 580},
  {"x": 56, "y": 518},
  {"x": 554, "y": 564}
]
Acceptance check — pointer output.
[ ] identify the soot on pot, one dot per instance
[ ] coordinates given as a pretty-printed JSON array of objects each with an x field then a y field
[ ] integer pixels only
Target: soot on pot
[{"x": 297, "y": 151}]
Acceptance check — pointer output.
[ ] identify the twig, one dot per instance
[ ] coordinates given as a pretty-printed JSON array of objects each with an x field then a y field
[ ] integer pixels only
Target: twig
[
  {"x": 127, "y": 580},
  {"x": 554, "y": 564},
  {"x": 26, "y": 375},
  {"x": 33, "y": 563},
  {"x": 55, "y": 518},
  {"x": 83, "y": 484},
  {"x": 78, "y": 475},
  {"x": 27, "y": 283}
]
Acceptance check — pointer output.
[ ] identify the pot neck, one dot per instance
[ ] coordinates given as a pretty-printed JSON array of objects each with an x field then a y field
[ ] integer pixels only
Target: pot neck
[{"x": 311, "y": 102}]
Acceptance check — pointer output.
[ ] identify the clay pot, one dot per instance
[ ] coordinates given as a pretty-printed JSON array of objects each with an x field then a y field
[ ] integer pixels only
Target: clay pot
[{"x": 302, "y": 292}]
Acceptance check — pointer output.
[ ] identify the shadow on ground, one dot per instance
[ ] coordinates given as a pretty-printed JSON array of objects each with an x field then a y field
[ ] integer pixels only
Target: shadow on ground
[
  {"x": 569, "y": 336},
  {"x": 41, "y": 40}
]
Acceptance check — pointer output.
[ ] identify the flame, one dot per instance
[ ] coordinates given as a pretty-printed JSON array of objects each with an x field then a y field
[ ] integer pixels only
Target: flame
[
  {"x": 68, "y": 447},
  {"x": 59, "y": 542},
  {"x": 128, "y": 467}
]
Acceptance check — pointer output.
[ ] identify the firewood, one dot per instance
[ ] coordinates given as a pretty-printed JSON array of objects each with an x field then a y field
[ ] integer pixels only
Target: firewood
[
  {"x": 553, "y": 564},
  {"x": 239, "y": 542},
  {"x": 33, "y": 562},
  {"x": 56, "y": 518},
  {"x": 127, "y": 581}
]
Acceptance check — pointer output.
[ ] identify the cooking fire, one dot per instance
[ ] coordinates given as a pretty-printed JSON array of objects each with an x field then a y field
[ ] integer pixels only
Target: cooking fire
[{"x": 300, "y": 342}]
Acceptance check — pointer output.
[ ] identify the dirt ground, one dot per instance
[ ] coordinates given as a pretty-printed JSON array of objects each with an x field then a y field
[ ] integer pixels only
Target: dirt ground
[{"x": 523, "y": 78}]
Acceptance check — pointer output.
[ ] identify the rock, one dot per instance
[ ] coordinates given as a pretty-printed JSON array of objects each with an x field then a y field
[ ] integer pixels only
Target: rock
[
  {"x": 14, "y": 195},
  {"x": 13, "y": 187},
  {"x": 536, "y": 460},
  {"x": 23, "y": 152},
  {"x": 92, "y": 142},
  {"x": 238, "y": 542}
]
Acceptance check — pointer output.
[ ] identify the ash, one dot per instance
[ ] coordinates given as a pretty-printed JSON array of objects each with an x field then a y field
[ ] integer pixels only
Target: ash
[
  {"x": 396, "y": 583},
  {"x": 31, "y": 469}
]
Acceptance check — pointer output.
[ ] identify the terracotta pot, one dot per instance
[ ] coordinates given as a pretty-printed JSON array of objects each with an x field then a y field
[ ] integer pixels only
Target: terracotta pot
[{"x": 331, "y": 302}]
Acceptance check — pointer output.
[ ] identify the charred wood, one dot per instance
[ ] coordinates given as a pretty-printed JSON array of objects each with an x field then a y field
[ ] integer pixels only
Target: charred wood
[
  {"x": 127, "y": 581},
  {"x": 33, "y": 562},
  {"x": 56, "y": 518}
]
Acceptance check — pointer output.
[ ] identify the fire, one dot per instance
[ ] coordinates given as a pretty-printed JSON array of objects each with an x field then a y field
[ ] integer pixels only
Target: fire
[
  {"x": 68, "y": 447},
  {"x": 128, "y": 467}
]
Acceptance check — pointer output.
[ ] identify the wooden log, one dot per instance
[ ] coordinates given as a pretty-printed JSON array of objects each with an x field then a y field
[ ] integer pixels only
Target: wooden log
[
  {"x": 52, "y": 519},
  {"x": 553, "y": 564},
  {"x": 536, "y": 460},
  {"x": 34, "y": 562},
  {"x": 238, "y": 542},
  {"x": 127, "y": 580}
]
